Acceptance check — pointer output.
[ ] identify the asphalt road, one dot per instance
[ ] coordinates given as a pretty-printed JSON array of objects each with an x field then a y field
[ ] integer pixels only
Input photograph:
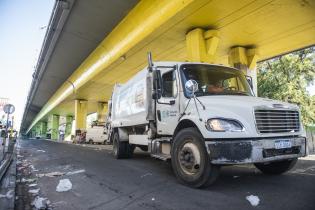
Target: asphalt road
[{"x": 146, "y": 183}]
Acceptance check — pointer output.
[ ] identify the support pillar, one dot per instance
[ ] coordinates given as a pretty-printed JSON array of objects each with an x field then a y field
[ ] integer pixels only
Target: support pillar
[
  {"x": 33, "y": 133},
  {"x": 37, "y": 130},
  {"x": 53, "y": 126},
  {"x": 101, "y": 111},
  {"x": 245, "y": 59},
  {"x": 42, "y": 129},
  {"x": 80, "y": 111},
  {"x": 202, "y": 45},
  {"x": 68, "y": 130}
]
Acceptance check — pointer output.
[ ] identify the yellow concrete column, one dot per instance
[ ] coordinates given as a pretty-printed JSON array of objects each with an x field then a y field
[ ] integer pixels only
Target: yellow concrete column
[
  {"x": 101, "y": 111},
  {"x": 245, "y": 59},
  {"x": 80, "y": 113},
  {"x": 43, "y": 129},
  {"x": 68, "y": 129},
  {"x": 53, "y": 126},
  {"x": 202, "y": 45}
]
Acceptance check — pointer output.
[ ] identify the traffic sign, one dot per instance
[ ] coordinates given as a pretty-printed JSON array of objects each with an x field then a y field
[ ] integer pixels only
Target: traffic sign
[{"x": 8, "y": 108}]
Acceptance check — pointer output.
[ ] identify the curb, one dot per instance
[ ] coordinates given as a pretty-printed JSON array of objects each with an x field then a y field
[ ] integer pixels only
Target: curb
[
  {"x": 103, "y": 147},
  {"x": 8, "y": 184}
]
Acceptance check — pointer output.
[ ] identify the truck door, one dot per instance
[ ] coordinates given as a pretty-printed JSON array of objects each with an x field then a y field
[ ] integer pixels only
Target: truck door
[{"x": 167, "y": 107}]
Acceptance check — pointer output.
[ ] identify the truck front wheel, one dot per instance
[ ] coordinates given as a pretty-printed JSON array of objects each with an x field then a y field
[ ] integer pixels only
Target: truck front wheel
[
  {"x": 277, "y": 167},
  {"x": 190, "y": 159},
  {"x": 122, "y": 149}
]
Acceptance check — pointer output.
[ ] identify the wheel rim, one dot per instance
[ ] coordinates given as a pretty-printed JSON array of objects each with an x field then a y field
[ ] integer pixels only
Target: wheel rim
[{"x": 189, "y": 158}]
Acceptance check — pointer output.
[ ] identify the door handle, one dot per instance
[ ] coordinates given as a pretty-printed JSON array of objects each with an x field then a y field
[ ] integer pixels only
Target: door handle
[{"x": 158, "y": 115}]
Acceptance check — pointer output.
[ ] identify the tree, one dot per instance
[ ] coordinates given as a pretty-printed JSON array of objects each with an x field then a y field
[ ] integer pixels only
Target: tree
[{"x": 286, "y": 77}]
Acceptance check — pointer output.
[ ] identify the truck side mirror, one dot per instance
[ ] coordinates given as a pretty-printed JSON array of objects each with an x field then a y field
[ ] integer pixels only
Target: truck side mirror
[
  {"x": 191, "y": 87},
  {"x": 250, "y": 81}
]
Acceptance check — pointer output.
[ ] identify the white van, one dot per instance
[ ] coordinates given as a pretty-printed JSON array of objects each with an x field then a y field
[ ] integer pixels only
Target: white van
[{"x": 96, "y": 134}]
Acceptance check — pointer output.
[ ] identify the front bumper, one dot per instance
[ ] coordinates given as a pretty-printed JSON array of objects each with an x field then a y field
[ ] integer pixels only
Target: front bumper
[{"x": 253, "y": 151}]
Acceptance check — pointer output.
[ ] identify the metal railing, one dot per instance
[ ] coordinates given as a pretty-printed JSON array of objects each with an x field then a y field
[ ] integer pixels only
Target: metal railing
[{"x": 7, "y": 157}]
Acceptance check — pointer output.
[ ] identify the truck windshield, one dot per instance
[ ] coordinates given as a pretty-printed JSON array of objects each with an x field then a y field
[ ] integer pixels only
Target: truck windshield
[{"x": 215, "y": 80}]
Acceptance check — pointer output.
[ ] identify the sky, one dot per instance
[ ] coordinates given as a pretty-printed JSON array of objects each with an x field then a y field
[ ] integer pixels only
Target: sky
[
  {"x": 311, "y": 89},
  {"x": 23, "y": 27}
]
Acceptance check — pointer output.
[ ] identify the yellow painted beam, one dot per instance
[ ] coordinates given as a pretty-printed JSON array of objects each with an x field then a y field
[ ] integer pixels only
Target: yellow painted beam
[
  {"x": 202, "y": 45},
  {"x": 252, "y": 58},
  {"x": 142, "y": 20},
  {"x": 80, "y": 113},
  {"x": 101, "y": 111},
  {"x": 243, "y": 58}
]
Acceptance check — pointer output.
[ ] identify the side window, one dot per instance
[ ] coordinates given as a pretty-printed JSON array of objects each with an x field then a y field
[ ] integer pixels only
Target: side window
[{"x": 169, "y": 86}]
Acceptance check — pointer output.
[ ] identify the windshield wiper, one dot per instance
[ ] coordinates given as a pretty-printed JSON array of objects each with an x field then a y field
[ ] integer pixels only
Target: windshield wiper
[
  {"x": 241, "y": 93},
  {"x": 235, "y": 93}
]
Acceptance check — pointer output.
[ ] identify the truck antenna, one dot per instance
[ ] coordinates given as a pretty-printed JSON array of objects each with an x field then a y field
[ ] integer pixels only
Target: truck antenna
[{"x": 150, "y": 62}]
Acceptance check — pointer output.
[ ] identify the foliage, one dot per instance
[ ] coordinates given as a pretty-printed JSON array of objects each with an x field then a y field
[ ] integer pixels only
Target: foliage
[{"x": 286, "y": 77}]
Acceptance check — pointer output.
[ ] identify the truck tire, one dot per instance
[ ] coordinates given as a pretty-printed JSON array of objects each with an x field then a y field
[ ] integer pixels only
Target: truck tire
[
  {"x": 190, "y": 159},
  {"x": 90, "y": 141},
  {"x": 277, "y": 167},
  {"x": 122, "y": 149}
]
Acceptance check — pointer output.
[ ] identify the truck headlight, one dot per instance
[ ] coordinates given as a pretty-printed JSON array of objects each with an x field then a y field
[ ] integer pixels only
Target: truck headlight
[{"x": 222, "y": 125}]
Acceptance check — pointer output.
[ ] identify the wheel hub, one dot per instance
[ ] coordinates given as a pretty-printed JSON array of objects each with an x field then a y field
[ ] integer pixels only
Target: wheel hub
[{"x": 189, "y": 158}]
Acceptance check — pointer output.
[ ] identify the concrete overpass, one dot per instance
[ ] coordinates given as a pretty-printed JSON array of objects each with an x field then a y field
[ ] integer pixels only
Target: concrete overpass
[{"x": 91, "y": 45}]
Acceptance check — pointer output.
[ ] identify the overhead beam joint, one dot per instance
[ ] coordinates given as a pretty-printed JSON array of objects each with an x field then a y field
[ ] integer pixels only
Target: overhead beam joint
[{"x": 202, "y": 45}]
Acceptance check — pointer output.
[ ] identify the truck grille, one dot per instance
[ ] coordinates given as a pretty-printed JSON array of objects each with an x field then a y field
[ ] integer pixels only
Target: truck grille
[{"x": 277, "y": 121}]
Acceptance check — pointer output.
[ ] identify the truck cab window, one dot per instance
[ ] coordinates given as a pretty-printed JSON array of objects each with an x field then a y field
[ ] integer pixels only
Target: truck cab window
[{"x": 169, "y": 88}]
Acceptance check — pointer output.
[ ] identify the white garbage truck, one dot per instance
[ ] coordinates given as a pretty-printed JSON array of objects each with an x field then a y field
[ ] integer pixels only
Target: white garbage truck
[{"x": 201, "y": 117}]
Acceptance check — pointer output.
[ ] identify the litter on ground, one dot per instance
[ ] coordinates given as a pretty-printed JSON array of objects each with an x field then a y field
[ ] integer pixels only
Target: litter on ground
[
  {"x": 40, "y": 203},
  {"x": 147, "y": 174},
  {"x": 34, "y": 191},
  {"x": 8, "y": 195},
  {"x": 75, "y": 172},
  {"x": 28, "y": 180},
  {"x": 64, "y": 185},
  {"x": 253, "y": 199},
  {"x": 40, "y": 150},
  {"x": 51, "y": 174}
]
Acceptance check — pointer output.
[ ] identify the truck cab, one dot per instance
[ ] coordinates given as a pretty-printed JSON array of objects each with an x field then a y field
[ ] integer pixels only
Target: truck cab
[{"x": 204, "y": 116}]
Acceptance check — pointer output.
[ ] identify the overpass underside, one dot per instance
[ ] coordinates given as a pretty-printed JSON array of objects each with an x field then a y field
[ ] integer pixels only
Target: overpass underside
[{"x": 235, "y": 33}]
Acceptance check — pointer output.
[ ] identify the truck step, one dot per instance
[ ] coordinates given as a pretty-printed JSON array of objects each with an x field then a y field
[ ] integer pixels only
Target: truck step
[{"x": 161, "y": 156}]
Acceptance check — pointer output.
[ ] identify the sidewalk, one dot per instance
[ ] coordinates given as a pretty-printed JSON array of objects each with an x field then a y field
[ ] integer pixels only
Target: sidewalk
[
  {"x": 94, "y": 146},
  {"x": 7, "y": 184}
]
